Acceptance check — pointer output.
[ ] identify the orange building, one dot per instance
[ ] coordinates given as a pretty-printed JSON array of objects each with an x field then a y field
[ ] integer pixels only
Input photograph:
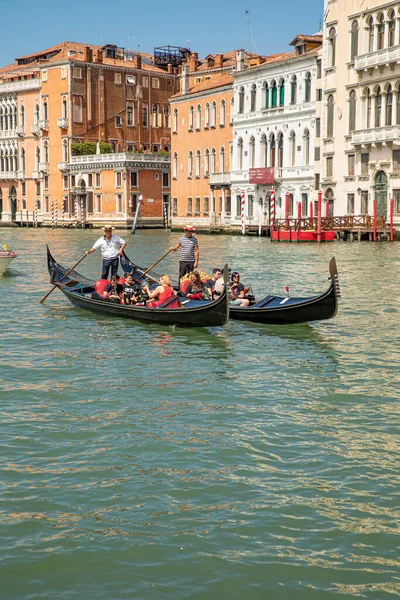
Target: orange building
[
  {"x": 201, "y": 146},
  {"x": 85, "y": 130}
]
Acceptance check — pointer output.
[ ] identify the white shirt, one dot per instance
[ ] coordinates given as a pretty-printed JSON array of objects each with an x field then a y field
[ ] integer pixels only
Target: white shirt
[{"x": 109, "y": 248}]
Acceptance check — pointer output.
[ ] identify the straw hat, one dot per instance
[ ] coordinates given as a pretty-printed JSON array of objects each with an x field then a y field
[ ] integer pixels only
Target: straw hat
[
  {"x": 108, "y": 227},
  {"x": 189, "y": 228}
]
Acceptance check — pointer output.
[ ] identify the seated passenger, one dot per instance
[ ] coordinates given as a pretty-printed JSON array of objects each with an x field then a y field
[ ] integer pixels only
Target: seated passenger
[
  {"x": 210, "y": 283},
  {"x": 161, "y": 293},
  {"x": 113, "y": 290},
  {"x": 197, "y": 289},
  {"x": 128, "y": 291},
  {"x": 236, "y": 297}
]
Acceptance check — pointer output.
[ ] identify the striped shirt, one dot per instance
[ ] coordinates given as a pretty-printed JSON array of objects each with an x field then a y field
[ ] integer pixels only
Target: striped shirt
[{"x": 186, "y": 248}]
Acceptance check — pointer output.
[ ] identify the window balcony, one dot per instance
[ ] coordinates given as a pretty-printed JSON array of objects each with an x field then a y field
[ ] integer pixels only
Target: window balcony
[
  {"x": 43, "y": 125},
  {"x": 220, "y": 178},
  {"x": 21, "y": 174},
  {"x": 8, "y": 133},
  {"x": 20, "y": 130},
  {"x": 62, "y": 166},
  {"x": 378, "y": 58},
  {"x": 35, "y": 129},
  {"x": 8, "y": 175},
  {"x": 62, "y": 123},
  {"x": 44, "y": 167},
  {"x": 36, "y": 175},
  {"x": 378, "y": 135}
]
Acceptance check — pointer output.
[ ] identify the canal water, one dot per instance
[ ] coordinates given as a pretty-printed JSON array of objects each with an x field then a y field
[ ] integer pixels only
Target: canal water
[{"x": 143, "y": 462}]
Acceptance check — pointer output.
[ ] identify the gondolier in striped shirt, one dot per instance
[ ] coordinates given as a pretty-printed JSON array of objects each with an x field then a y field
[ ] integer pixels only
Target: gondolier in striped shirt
[{"x": 188, "y": 247}]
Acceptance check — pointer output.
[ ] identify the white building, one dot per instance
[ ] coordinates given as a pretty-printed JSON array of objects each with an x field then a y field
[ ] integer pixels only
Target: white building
[
  {"x": 276, "y": 124},
  {"x": 361, "y": 129}
]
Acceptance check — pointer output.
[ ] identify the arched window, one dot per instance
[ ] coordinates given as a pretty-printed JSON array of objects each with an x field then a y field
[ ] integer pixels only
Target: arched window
[
  {"x": 206, "y": 162},
  {"x": 307, "y": 88},
  {"x": 306, "y": 148},
  {"x": 232, "y": 107},
  {"x": 292, "y": 140},
  {"x": 198, "y": 116},
  {"x": 2, "y": 161},
  {"x": 368, "y": 108},
  {"x": 166, "y": 115},
  {"x": 282, "y": 92},
  {"x": 6, "y": 118},
  {"x": 65, "y": 150},
  {"x": 266, "y": 95},
  {"x": 222, "y": 160},
  {"x": 46, "y": 151},
  {"x": 222, "y": 113},
  {"x": 64, "y": 108},
  {"x": 330, "y": 115},
  {"x": 36, "y": 114},
  {"x": 389, "y": 105},
  {"x": 22, "y": 159},
  {"x": 1, "y": 119},
  {"x": 241, "y": 100},
  {"x": 37, "y": 158},
  {"x": 279, "y": 139},
  {"x": 207, "y": 115},
  {"x": 191, "y": 115},
  {"x": 213, "y": 160},
  {"x": 240, "y": 154},
  {"x": 45, "y": 111},
  {"x": 175, "y": 166},
  {"x": 15, "y": 116},
  {"x": 263, "y": 150},
  {"x": 392, "y": 29},
  {"x": 175, "y": 121},
  {"x": 274, "y": 94},
  {"x": 371, "y": 34},
  {"x": 251, "y": 152},
  {"x": 332, "y": 47},
  {"x": 293, "y": 90},
  {"x": 272, "y": 150},
  {"x": 352, "y": 110},
  {"x": 198, "y": 163},
  {"x": 354, "y": 40},
  {"x": 253, "y": 95},
  {"x": 129, "y": 115},
  {"x": 190, "y": 164},
  {"x": 156, "y": 115},
  {"x": 398, "y": 108},
  {"x": 378, "y": 107},
  {"x": 381, "y": 32},
  {"x": 330, "y": 199},
  {"x": 213, "y": 114}
]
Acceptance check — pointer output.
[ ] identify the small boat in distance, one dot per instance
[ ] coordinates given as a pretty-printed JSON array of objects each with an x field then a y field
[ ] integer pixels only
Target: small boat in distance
[
  {"x": 80, "y": 291},
  {"x": 6, "y": 256}
]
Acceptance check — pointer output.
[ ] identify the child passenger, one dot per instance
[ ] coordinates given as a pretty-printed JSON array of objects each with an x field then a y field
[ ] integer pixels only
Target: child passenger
[
  {"x": 128, "y": 291},
  {"x": 113, "y": 290}
]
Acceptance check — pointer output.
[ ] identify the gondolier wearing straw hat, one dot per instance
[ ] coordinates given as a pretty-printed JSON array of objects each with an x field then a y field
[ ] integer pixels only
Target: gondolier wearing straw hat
[
  {"x": 111, "y": 247},
  {"x": 188, "y": 247}
]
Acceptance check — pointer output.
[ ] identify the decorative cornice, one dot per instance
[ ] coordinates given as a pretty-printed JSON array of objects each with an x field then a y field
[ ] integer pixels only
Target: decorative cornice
[{"x": 202, "y": 94}]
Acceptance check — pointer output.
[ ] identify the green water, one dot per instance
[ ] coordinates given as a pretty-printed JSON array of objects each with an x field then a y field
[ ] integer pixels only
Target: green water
[{"x": 253, "y": 462}]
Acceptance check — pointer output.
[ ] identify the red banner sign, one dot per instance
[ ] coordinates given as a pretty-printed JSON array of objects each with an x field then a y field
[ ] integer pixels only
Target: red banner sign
[{"x": 262, "y": 176}]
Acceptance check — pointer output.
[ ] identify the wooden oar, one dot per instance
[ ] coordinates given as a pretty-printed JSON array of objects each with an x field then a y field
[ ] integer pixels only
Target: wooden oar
[
  {"x": 63, "y": 277},
  {"x": 156, "y": 263}
]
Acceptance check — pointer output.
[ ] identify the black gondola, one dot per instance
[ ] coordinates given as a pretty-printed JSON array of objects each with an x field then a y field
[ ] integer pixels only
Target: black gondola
[
  {"x": 279, "y": 310},
  {"x": 79, "y": 289}
]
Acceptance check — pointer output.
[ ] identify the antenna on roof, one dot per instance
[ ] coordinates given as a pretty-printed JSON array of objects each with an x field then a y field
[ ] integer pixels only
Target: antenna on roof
[
  {"x": 188, "y": 44},
  {"x": 129, "y": 41},
  {"x": 251, "y": 38}
]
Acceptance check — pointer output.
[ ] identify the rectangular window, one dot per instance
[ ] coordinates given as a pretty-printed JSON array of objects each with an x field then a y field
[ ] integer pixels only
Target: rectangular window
[
  {"x": 77, "y": 73},
  {"x": 396, "y": 160},
  {"x": 189, "y": 207},
  {"x": 118, "y": 122},
  {"x": 319, "y": 69},
  {"x": 174, "y": 207},
  {"x": 206, "y": 205},
  {"x": 38, "y": 188},
  {"x": 23, "y": 188},
  {"x": 155, "y": 83},
  {"x": 317, "y": 153},
  {"x": 238, "y": 205},
  {"x": 73, "y": 180},
  {"x": 44, "y": 75},
  {"x": 46, "y": 204},
  {"x": 64, "y": 72},
  {"x": 118, "y": 203},
  {"x": 77, "y": 113},
  {"x": 46, "y": 182},
  {"x": 118, "y": 78},
  {"x": 145, "y": 116},
  {"x": 98, "y": 180},
  {"x": 364, "y": 164},
  {"x": 319, "y": 95},
  {"x": 350, "y": 204},
  {"x": 396, "y": 199},
  {"x": 165, "y": 180},
  {"x": 133, "y": 203},
  {"x": 317, "y": 181},
  {"x": 318, "y": 127},
  {"x": 364, "y": 202},
  {"x": 65, "y": 182},
  {"x": 145, "y": 81},
  {"x": 329, "y": 166},
  {"x": 130, "y": 115},
  {"x": 304, "y": 205},
  {"x": 251, "y": 206},
  {"x": 98, "y": 203},
  {"x": 90, "y": 180},
  {"x": 197, "y": 206},
  {"x": 118, "y": 179},
  {"x": 134, "y": 179},
  {"x": 351, "y": 163}
]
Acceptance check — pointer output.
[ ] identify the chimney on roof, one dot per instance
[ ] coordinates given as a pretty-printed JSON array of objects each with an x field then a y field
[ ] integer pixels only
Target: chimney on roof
[
  {"x": 218, "y": 60},
  {"x": 185, "y": 79},
  {"x": 87, "y": 54},
  {"x": 137, "y": 61},
  {"x": 169, "y": 68},
  {"x": 193, "y": 61},
  {"x": 98, "y": 56},
  {"x": 239, "y": 60},
  {"x": 210, "y": 62}
]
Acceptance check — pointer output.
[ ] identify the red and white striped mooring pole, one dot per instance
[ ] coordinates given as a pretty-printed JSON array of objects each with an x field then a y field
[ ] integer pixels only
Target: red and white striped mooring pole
[
  {"x": 243, "y": 212},
  {"x": 271, "y": 206}
]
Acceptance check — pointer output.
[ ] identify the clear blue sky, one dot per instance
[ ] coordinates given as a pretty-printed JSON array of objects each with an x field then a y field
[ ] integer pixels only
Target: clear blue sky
[{"x": 211, "y": 26}]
